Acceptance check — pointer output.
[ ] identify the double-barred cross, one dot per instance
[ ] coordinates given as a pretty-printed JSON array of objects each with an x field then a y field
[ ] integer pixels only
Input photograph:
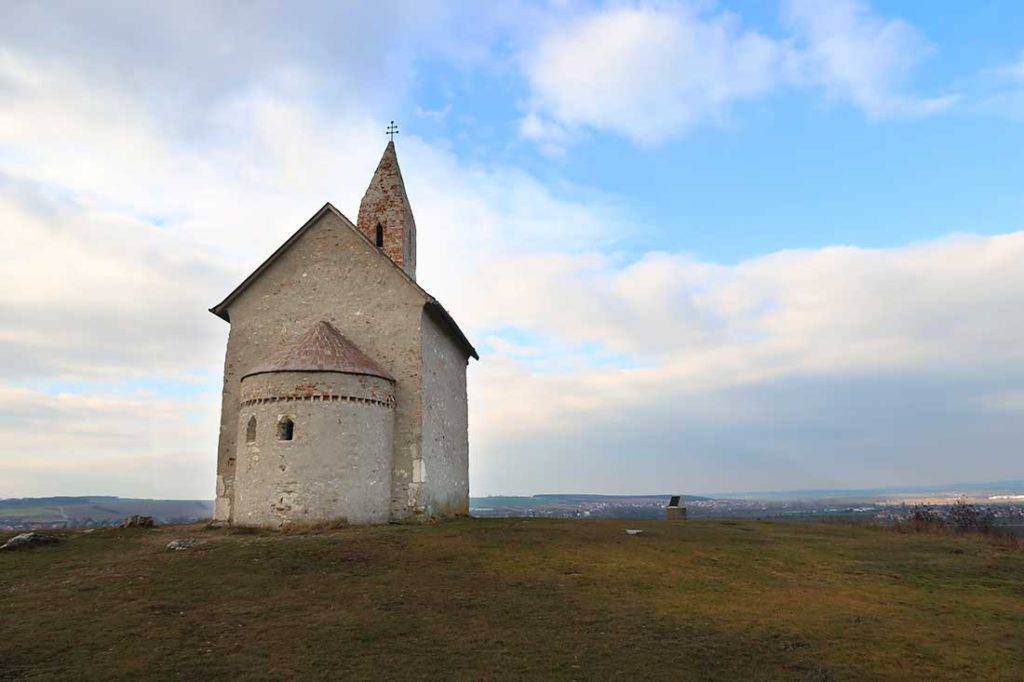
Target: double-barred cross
[{"x": 392, "y": 130}]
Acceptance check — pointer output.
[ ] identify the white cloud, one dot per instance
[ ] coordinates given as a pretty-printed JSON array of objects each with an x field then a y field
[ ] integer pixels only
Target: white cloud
[
  {"x": 651, "y": 72},
  {"x": 1015, "y": 69},
  {"x": 798, "y": 312},
  {"x": 125, "y": 217},
  {"x": 860, "y": 57},
  {"x": 121, "y": 230},
  {"x": 648, "y": 73},
  {"x": 1000, "y": 90},
  {"x": 1004, "y": 401},
  {"x": 836, "y": 367},
  {"x": 95, "y": 445},
  {"x": 551, "y": 136}
]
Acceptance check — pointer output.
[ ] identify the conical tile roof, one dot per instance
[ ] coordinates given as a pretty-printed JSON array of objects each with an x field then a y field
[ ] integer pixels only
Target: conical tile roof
[{"x": 322, "y": 349}]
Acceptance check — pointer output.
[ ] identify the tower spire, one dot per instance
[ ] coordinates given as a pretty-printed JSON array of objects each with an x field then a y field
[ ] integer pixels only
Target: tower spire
[{"x": 385, "y": 216}]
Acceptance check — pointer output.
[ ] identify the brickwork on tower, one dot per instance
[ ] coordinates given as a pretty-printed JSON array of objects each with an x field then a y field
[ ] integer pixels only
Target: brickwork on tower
[{"x": 385, "y": 216}]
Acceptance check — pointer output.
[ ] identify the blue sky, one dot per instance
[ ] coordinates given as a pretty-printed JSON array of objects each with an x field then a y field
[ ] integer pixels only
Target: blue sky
[
  {"x": 702, "y": 245},
  {"x": 789, "y": 170}
]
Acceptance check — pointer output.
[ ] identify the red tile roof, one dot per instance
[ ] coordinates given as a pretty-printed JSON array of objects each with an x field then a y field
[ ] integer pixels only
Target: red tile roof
[{"x": 322, "y": 349}]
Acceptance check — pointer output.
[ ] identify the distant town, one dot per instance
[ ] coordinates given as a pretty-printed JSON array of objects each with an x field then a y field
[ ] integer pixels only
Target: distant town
[
  {"x": 1007, "y": 511},
  {"x": 1004, "y": 502}
]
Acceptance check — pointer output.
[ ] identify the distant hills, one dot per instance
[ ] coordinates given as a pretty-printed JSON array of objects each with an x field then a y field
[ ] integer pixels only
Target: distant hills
[
  {"x": 95, "y": 510},
  {"x": 577, "y": 506},
  {"x": 554, "y": 498},
  {"x": 969, "y": 489},
  {"x": 106, "y": 510}
]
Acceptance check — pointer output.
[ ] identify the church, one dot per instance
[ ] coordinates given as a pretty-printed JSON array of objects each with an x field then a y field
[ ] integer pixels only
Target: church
[{"x": 344, "y": 380}]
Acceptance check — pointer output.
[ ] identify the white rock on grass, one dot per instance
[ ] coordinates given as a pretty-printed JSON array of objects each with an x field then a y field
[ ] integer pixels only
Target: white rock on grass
[
  {"x": 633, "y": 531},
  {"x": 29, "y": 540},
  {"x": 184, "y": 543}
]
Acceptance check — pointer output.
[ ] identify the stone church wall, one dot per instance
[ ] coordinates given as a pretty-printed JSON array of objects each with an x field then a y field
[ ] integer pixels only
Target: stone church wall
[
  {"x": 329, "y": 274},
  {"x": 445, "y": 447}
]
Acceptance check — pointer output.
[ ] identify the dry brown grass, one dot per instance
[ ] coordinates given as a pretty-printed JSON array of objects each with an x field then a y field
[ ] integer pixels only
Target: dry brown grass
[{"x": 510, "y": 599}]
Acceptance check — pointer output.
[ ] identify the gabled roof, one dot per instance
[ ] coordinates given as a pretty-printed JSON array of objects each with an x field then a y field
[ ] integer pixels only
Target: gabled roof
[
  {"x": 321, "y": 349},
  {"x": 432, "y": 306}
]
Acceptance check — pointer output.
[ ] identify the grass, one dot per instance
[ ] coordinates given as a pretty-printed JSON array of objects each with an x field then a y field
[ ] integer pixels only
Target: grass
[{"x": 514, "y": 598}]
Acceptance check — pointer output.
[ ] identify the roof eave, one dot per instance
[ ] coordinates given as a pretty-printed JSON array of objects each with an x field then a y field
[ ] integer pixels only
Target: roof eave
[
  {"x": 362, "y": 373},
  {"x": 444, "y": 318}
]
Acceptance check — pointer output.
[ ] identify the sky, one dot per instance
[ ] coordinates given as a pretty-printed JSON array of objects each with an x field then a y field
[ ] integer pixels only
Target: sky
[{"x": 701, "y": 246}]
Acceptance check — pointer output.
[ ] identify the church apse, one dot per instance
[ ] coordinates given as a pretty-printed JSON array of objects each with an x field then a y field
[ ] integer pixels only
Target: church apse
[{"x": 321, "y": 417}]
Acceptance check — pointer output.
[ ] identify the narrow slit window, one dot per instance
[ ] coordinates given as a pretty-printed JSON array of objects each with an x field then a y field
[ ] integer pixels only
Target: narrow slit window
[
  {"x": 250, "y": 430},
  {"x": 380, "y": 235},
  {"x": 285, "y": 429}
]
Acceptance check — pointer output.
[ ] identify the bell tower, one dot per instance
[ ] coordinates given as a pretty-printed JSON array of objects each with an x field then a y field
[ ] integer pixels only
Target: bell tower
[{"x": 385, "y": 216}]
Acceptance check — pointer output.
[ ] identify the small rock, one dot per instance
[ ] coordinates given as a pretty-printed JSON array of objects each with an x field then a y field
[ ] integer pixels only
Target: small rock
[
  {"x": 633, "y": 531},
  {"x": 138, "y": 521},
  {"x": 29, "y": 540},
  {"x": 184, "y": 543}
]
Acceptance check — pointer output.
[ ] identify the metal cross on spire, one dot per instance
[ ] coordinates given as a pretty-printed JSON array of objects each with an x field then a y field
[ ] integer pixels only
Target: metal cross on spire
[{"x": 392, "y": 130}]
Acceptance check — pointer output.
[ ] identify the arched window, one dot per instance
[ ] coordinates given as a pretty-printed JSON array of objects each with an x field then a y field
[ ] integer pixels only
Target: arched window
[
  {"x": 250, "y": 430},
  {"x": 285, "y": 428},
  {"x": 380, "y": 235}
]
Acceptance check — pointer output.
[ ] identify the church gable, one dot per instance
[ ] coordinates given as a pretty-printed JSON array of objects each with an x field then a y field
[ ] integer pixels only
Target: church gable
[
  {"x": 344, "y": 239},
  {"x": 356, "y": 252}
]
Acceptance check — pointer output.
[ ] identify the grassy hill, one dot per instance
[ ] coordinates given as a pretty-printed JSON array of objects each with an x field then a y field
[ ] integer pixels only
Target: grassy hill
[{"x": 508, "y": 598}]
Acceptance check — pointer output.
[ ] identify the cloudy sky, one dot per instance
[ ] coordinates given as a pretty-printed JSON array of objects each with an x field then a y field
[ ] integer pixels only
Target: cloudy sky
[{"x": 701, "y": 246}]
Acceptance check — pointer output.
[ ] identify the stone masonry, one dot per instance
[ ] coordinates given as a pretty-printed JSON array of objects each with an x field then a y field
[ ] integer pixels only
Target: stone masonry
[
  {"x": 327, "y": 279},
  {"x": 385, "y": 215}
]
